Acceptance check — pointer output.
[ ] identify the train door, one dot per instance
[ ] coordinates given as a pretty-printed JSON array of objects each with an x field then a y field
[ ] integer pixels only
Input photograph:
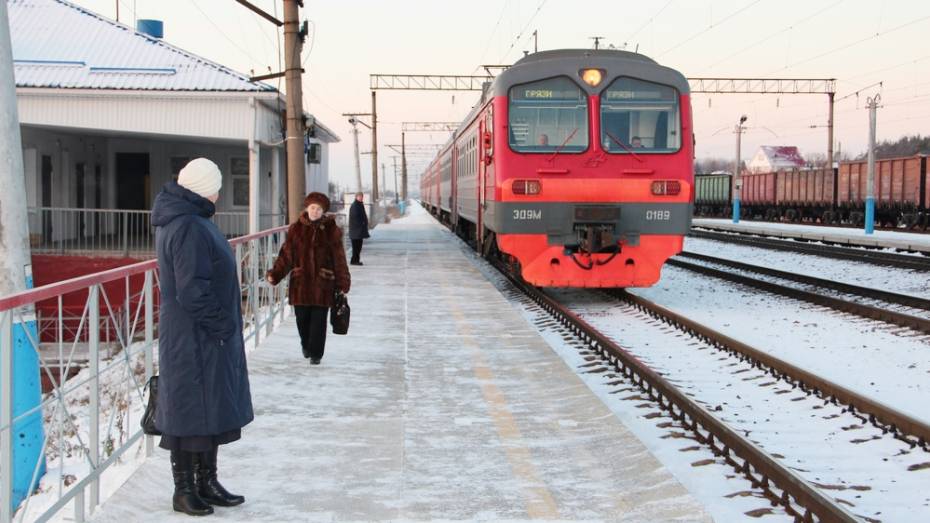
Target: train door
[
  {"x": 479, "y": 186},
  {"x": 454, "y": 190}
]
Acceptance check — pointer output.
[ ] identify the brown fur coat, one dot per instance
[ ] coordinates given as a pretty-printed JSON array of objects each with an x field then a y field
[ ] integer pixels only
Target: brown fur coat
[{"x": 316, "y": 260}]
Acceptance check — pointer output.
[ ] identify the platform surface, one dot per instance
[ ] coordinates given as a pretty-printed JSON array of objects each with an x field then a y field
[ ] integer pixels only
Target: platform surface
[{"x": 442, "y": 403}]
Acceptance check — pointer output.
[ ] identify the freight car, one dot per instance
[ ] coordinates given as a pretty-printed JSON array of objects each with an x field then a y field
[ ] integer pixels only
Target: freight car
[
  {"x": 575, "y": 166},
  {"x": 830, "y": 196}
]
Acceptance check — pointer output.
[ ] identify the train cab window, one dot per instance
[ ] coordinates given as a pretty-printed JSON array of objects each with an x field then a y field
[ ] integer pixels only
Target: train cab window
[
  {"x": 547, "y": 116},
  {"x": 639, "y": 116}
]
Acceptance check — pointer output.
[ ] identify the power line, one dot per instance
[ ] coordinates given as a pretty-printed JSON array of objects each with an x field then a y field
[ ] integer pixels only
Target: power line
[
  {"x": 630, "y": 38},
  {"x": 233, "y": 42},
  {"x": 773, "y": 35},
  {"x": 488, "y": 46},
  {"x": 854, "y": 43},
  {"x": 520, "y": 34},
  {"x": 710, "y": 27},
  {"x": 884, "y": 69}
]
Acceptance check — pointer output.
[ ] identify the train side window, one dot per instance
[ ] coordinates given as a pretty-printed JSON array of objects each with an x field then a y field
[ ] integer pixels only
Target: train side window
[
  {"x": 640, "y": 116},
  {"x": 546, "y": 114}
]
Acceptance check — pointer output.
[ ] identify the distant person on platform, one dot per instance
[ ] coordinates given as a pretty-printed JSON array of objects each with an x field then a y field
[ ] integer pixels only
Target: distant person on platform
[
  {"x": 316, "y": 260},
  {"x": 358, "y": 227},
  {"x": 203, "y": 386},
  {"x": 636, "y": 142},
  {"x": 543, "y": 139}
]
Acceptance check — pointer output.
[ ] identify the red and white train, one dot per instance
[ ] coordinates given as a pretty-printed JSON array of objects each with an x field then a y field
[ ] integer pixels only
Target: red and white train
[{"x": 577, "y": 165}]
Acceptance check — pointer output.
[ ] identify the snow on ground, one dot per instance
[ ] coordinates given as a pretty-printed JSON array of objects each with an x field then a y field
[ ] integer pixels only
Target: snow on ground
[
  {"x": 846, "y": 350},
  {"x": 917, "y": 239},
  {"x": 440, "y": 404},
  {"x": 903, "y": 281},
  {"x": 850, "y": 460},
  {"x": 887, "y": 363}
]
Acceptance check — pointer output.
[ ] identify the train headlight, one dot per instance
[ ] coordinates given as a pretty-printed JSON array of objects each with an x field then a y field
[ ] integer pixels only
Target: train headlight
[
  {"x": 527, "y": 187},
  {"x": 592, "y": 77},
  {"x": 666, "y": 187}
]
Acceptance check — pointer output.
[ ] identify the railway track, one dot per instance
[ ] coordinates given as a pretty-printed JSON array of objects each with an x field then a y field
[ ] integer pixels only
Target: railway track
[
  {"x": 781, "y": 485},
  {"x": 862, "y": 255},
  {"x": 897, "y": 309}
]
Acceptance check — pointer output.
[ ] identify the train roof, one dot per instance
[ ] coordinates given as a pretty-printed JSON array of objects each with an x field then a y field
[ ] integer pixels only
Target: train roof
[{"x": 569, "y": 62}]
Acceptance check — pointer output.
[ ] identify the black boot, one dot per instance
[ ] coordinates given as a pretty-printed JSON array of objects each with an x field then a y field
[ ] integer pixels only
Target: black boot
[
  {"x": 185, "y": 497},
  {"x": 208, "y": 487}
]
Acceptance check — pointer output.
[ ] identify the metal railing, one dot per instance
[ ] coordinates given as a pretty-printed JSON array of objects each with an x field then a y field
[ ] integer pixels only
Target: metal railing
[
  {"x": 58, "y": 230},
  {"x": 91, "y": 420}
]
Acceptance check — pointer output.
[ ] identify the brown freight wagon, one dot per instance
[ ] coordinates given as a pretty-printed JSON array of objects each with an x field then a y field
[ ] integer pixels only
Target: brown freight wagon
[
  {"x": 901, "y": 192},
  {"x": 758, "y": 189}
]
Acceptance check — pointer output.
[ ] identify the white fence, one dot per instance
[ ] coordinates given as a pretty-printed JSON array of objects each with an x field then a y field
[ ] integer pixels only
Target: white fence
[{"x": 57, "y": 230}]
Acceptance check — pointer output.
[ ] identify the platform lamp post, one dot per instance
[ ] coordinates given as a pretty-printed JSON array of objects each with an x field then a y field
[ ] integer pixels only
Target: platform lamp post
[
  {"x": 737, "y": 182},
  {"x": 870, "y": 184}
]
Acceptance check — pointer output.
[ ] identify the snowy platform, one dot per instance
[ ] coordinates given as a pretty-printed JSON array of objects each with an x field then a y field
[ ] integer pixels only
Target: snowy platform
[
  {"x": 839, "y": 235},
  {"x": 441, "y": 403}
]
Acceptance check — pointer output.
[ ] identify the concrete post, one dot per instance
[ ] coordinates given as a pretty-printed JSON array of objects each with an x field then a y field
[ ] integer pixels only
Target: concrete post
[
  {"x": 737, "y": 182},
  {"x": 21, "y": 444},
  {"x": 870, "y": 186}
]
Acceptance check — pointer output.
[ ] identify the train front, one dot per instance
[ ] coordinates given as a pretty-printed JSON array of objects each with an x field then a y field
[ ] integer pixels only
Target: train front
[{"x": 592, "y": 167}]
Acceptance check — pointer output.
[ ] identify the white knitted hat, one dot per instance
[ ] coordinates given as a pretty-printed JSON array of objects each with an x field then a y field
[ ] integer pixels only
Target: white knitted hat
[{"x": 201, "y": 176}]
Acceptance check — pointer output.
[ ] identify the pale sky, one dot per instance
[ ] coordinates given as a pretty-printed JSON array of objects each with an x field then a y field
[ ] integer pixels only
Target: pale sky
[{"x": 858, "y": 42}]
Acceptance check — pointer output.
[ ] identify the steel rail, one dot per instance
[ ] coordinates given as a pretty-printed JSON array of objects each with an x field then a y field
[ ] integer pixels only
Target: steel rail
[
  {"x": 884, "y": 259},
  {"x": 803, "y": 501},
  {"x": 867, "y": 292},
  {"x": 902, "y": 426},
  {"x": 859, "y": 309}
]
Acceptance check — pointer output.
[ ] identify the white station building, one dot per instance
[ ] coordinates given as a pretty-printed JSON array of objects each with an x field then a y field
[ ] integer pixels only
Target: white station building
[{"x": 109, "y": 114}]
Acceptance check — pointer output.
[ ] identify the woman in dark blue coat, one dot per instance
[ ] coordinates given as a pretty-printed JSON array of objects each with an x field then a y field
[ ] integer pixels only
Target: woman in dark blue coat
[{"x": 203, "y": 397}]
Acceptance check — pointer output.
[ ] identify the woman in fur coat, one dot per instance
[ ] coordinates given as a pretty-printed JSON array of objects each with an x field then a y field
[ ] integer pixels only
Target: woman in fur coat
[{"x": 315, "y": 258}]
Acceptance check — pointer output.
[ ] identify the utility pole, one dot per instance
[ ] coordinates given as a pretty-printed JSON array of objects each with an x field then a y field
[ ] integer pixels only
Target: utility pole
[
  {"x": 830, "y": 131},
  {"x": 870, "y": 186},
  {"x": 395, "y": 178},
  {"x": 296, "y": 175},
  {"x": 535, "y": 41},
  {"x": 374, "y": 152},
  {"x": 358, "y": 163},
  {"x": 403, "y": 167},
  {"x": 354, "y": 121},
  {"x": 737, "y": 181},
  {"x": 20, "y": 386},
  {"x": 597, "y": 41}
]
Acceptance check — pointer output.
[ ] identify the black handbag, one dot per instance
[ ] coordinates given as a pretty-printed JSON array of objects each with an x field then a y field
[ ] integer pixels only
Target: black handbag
[
  {"x": 148, "y": 418},
  {"x": 339, "y": 315}
]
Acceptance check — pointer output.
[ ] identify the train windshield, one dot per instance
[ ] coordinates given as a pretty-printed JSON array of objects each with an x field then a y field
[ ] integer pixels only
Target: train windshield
[
  {"x": 548, "y": 116},
  {"x": 639, "y": 117}
]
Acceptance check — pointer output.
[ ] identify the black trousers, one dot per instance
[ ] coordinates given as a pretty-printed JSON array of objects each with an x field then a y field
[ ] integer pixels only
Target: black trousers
[
  {"x": 356, "y": 251},
  {"x": 311, "y": 324}
]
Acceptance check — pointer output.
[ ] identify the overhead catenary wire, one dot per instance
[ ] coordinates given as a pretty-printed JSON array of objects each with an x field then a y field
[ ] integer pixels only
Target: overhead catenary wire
[
  {"x": 491, "y": 36},
  {"x": 775, "y": 34},
  {"x": 852, "y": 44},
  {"x": 709, "y": 28},
  {"x": 651, "y": 19},
  {"x": 522, "y": 32}
]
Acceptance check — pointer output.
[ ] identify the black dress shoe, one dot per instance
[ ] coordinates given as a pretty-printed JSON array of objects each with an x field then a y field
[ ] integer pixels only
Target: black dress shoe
[
  {"x": 356, "y": 263},
  {"x": 315, "y": 361}
]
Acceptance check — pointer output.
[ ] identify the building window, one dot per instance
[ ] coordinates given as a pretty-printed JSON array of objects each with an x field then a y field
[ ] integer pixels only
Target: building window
[
  {"x": 239, "y": 170},
  {"x": 240, "y": 185}
]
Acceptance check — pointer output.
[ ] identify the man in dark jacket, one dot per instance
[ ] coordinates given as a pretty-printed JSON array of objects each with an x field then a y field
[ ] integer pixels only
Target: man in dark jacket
[
  {"x": 203, "y": 390},
  {"x": 358, "y": 227}
]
